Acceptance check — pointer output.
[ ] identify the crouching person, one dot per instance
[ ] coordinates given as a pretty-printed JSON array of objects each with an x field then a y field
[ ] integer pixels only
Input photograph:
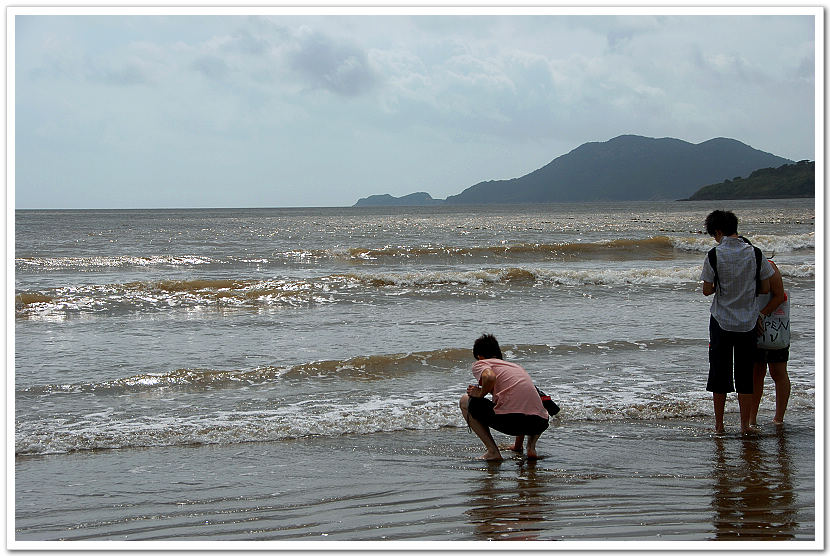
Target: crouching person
[{"x": 516, "y": 408}]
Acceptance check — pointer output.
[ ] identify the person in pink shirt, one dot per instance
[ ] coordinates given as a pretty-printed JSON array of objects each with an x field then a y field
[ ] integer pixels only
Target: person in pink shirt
[{"x": 516, "y": 408}]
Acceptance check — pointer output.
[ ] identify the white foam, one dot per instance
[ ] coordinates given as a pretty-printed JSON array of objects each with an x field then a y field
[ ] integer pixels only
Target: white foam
[{"x": 769, "y": 244}]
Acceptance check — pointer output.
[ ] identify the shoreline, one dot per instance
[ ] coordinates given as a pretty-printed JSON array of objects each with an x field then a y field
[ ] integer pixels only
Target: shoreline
[{"x": 595, "y": 482}]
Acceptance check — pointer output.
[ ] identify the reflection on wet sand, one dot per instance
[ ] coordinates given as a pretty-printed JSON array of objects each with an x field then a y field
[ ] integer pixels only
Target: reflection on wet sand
[
  {"x": 509, "y": 506},
  {"x": 753, "y": 495}
]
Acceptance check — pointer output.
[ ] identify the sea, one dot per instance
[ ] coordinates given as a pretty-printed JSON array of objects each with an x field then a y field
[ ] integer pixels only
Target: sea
[{"x": 293, "y": 375}]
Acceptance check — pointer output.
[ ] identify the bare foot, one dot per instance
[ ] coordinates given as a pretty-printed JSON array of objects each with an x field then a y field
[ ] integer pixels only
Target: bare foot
[
  {"x": 492, "y": 456},
  {"x": 778, "y": 422},
  {"x": 516, "y": 448}
]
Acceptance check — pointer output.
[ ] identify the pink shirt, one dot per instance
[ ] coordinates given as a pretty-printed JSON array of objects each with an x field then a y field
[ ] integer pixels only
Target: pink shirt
[{"x": 514, "y": 391}]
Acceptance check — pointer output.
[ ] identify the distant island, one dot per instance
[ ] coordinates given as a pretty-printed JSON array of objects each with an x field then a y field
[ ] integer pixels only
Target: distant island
[
  {"x": 419, "y": 199},
  {"x": 785, "y": 182},
  {"x": 626, "y": 168}
]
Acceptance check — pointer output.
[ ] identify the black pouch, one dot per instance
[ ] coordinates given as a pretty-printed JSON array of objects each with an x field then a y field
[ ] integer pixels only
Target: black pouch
[{"x": 549, "y": 404}]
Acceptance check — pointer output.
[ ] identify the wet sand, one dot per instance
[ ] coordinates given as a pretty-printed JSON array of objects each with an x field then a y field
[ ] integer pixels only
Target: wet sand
[{"x": 596, "y": 482}]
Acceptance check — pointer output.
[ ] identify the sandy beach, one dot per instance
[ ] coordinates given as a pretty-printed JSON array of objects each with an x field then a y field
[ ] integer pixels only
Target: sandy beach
[{"x": 606, "y": 482}]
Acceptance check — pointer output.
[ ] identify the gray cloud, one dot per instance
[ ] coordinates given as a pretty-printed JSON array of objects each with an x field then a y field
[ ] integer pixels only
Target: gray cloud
[{"x": 332, "y": 64}]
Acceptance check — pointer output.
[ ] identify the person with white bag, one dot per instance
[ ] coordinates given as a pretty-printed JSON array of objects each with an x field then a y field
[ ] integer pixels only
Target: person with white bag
[{"x": 773, "y": 349}]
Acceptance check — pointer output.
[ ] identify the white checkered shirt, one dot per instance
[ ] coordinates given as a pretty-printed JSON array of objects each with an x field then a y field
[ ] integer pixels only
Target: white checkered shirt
[{"x": 735, "y": 305}]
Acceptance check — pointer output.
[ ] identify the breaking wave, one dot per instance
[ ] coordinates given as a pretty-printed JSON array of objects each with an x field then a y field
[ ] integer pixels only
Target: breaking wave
[
  {"x": 653, "y": 248},
  {"x": 353, "y": 287},
  {"x": 371, "y": 367},
  {"x": 183, "y": 417},
  {"x": 769, "y": 244},
  {"x": 363, "y": 368}
]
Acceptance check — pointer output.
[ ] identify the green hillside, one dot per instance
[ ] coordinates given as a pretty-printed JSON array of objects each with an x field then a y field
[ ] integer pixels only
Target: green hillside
[{"x": 787, "y": 181}]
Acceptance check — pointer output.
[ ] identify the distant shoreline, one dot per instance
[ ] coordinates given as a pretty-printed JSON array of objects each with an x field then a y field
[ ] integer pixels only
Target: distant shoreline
[{"x": 439, "y": 206}]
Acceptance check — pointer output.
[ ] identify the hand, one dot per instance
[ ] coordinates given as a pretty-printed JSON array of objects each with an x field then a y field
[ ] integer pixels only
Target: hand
[
  {"x": 474, "y": 391},
  {"x": 759, "y": 325}
]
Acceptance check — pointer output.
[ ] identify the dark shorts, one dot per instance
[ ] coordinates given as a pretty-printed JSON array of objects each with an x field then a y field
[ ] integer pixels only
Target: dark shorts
[
  {"x": 481, "y": 409},
  {"x": 772, "y": 355},
  {"x": 722, "y": 346}
]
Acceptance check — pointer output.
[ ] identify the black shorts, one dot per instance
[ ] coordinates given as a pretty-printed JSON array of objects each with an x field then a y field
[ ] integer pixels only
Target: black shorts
[
  {"x": 722, "y": 345},
  {"x": 514, "y": 424},
  {"x": 772, "y": 355}
]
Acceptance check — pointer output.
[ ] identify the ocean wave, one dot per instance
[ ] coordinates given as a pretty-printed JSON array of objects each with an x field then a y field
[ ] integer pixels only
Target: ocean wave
[
  {"x": 352, "y": 287},
  {"x": 171, "y": 294},
  {"x": 769, "y": 244},
  {"x": 652, "y": 248},
  {"x": 363, "y": 368},
  {"x": 113, "y": 261},
  {"x": 371, "y": 367},
  {"x": 54, "y": 436},
  {"x": 356, "y": 410},
  {"x": 622, "y": 248},
  {"x": 656, "y": 247},
  {"x": 108, "y": 431}
]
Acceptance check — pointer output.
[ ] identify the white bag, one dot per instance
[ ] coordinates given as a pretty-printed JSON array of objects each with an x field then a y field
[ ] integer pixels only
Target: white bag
[{"x": 777, "y": 327}]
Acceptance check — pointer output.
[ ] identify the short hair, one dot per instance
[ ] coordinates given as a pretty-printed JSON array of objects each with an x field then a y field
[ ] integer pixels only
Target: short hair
[
  {"x": 722, "y": 221},
  {"x": 488, "y": 347}
]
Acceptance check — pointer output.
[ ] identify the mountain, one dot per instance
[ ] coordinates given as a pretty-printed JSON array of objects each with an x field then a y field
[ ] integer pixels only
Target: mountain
[
  {"x": 626, "y": 168},
  {"x": 787, "y": 181},
  {"x": 419, "y": 199}
]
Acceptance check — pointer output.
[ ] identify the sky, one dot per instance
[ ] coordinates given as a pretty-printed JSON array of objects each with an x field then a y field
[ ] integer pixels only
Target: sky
[{"x": 289, "y": 108}]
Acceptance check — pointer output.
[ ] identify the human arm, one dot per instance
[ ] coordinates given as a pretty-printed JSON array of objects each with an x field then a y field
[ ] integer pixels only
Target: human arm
[
  {"x": 776, "y": 286},
  {"x": 487, "y": 382},
  {"x": 767, "y": 271},
  {"x": 764, "y": 286}
]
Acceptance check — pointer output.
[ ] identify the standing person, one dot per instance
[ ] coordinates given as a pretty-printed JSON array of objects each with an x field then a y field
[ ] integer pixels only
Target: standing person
[
  {"x": 516, "y": 408},
  {"x": 775, "y": 358},
  {"x": 740, "y": 275}
]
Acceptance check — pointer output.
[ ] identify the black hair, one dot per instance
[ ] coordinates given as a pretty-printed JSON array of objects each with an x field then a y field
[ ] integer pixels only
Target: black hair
[
  {"x": 488, "y": 347},
  {"x": 722, "y": 221}
]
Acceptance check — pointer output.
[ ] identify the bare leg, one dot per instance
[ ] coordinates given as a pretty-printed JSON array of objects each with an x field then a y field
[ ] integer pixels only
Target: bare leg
[
  {"x": 517, "y": 445},
  {"x": 745, "y": 404},
  {"x": 531, "y": 446},
  {"x": 719, "y": 402},
  {"x": 759, "y": 372},
  {"x": 778, "y": 372},
  {"x": 482, "y": 431}
]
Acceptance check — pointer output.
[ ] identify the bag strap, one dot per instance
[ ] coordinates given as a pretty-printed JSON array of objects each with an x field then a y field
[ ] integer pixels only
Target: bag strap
[
  {"x": 713, "y": 262},
  {"x": 758, "y": 257}
]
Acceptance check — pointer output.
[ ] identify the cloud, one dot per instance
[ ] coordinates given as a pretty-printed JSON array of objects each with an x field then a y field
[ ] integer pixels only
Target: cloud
[
  {"x": 331, "y": 64},
  {"x": 391, "y": 103}
]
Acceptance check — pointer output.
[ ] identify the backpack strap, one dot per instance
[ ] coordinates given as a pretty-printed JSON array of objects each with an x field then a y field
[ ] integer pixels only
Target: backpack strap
[
  {"x": 713, "y": 262},
  {"x": 758, "y": 257}
]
